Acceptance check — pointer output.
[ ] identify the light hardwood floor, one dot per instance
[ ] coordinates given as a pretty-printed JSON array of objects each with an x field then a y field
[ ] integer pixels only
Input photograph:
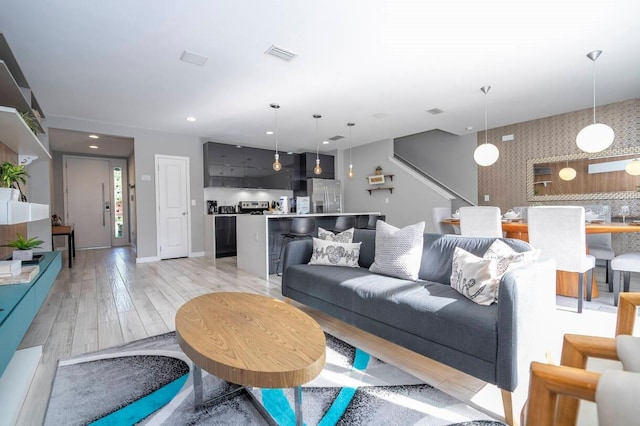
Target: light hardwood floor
[{"x": 107, "y": 299}]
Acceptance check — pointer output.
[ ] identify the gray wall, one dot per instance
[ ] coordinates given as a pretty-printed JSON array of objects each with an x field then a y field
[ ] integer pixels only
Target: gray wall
[
  {"x": 411, "y": 200},
  {"x": 39, "y": 191},
  {"x": 446, "y": 157},
  {"x": 147, "y": 143}
]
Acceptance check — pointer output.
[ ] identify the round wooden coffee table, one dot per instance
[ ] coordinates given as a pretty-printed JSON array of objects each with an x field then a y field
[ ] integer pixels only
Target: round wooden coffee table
[{"x": 250, "y": 340}]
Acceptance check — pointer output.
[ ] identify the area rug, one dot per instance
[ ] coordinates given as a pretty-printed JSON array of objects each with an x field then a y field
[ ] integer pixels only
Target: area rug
[{"x": 149, "y": 382}]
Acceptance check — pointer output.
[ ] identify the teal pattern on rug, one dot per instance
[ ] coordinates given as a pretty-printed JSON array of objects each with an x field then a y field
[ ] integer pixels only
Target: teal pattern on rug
[
  {"x": 138, "y": 410},
  {"x": 280, "y": 409}
]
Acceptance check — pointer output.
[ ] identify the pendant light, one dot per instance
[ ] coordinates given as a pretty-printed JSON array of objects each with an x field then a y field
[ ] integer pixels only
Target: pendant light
[
  {"x": 350, "y": 173},
  {"x": 567, "y": 173},
  {"x": 633, "y": 167},
  {"x": 276, "y": 158},
  {"x": 595, "y": 137},
  {"x": 486, "y": 154},
  {"x": 317, "y": 169}
]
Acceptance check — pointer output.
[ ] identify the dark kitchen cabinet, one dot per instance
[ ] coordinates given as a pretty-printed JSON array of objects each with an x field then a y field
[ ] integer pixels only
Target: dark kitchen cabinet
[
  {"x": 326, "y": 164},
  {"x": 245, "y": 167},
  {"x": 226, "y": 236}
]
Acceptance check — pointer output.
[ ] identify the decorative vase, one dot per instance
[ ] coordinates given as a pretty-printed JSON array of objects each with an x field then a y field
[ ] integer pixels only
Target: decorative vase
[
  {"x": 378, "y": 172},
  {"x": 9, "y": 194}
]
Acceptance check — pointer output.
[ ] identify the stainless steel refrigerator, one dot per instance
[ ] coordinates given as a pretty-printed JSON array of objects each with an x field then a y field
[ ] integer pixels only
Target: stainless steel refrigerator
[{"x": 325, "y": 195}]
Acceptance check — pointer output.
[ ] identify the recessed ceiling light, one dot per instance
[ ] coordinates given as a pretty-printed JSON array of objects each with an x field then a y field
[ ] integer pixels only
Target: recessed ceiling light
[
  {"x": 269, "y": 132},
  {"x": 468, "y": 128},
  {"x": 93, "y": 146},
  {"x": 238, "y": 146},
  {"x": 94, "y": 136},
  {"x": 289, "y": 152},
  {"x": 325, "y": 142},
  {"x": 191, "y": 118}
]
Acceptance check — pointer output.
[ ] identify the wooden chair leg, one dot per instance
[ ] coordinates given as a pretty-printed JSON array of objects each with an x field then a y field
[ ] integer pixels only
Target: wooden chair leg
[
  {"x": 507, "y": 403},
  {"x": 627, "y": 310},
  {"x": 616, "y": 287}
]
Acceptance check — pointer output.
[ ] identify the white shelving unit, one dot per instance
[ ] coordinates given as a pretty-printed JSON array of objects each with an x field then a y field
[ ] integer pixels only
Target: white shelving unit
[{"x": 15, "y": 134}]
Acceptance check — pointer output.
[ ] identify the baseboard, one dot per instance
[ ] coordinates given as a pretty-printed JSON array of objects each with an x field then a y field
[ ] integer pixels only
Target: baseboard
[
  {"x": 15, "y": 383},
  {"x": 197, "y": 254},
  {"x": 147, "y": 259}
]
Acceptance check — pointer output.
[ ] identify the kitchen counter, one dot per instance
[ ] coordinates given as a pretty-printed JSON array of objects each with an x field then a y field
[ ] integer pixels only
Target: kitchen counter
[{"x": 259, "y": 238}]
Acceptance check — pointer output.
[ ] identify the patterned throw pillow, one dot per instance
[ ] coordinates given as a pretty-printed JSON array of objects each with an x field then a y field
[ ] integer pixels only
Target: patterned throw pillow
[
  {"x": 398, "y": 252},
  {"x": 474, "y": 277},
  {"x": 342, "y": 237},
  {"x": 508, "y": 258},
  {"x": 335, "y": 254}
]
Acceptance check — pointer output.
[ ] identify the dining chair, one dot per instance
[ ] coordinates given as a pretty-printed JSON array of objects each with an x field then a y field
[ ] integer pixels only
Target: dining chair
[
  {"x": 555, "y": 391},
  {"x": 559, "y": 232},
  {"x": 438, "y": 214},
  {"x": 599, "y": 245},
  {"x": 480, "y": 221},
  {"x": 623, "y": 264}
]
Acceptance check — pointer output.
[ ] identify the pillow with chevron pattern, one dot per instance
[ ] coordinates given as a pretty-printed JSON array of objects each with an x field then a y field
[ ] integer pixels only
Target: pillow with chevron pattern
[
  {"x": 333, "y": 253},
  {"x": 398, "y": 252},
  {"x": 345, "y": 236}
]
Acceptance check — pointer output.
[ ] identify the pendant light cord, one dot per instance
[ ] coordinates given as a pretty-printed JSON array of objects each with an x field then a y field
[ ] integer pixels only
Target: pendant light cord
[
  {"x": 276, "y": 109},
  {"x": 594, "y": 91}
]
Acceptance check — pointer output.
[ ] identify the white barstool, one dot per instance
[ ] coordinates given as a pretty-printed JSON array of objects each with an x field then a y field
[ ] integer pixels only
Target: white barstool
[{"x": 625, "y": 263}]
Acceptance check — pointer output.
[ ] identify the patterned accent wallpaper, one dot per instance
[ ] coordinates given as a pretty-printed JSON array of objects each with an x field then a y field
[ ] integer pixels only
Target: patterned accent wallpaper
[{"x": 506, "y": 181}]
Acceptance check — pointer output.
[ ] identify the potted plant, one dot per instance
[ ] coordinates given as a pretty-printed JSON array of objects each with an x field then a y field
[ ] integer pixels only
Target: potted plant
[
  {"x": 379, "y": 170},
  {"x": 11, "y": 176},
  {"x": 24, "y": 247}
]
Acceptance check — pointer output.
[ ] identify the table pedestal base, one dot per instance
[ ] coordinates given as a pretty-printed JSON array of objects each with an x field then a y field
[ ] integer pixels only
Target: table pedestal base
[{"x": 199, "y": 404}]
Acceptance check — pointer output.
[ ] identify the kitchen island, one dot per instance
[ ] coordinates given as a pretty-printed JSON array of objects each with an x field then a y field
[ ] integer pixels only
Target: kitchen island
[{"x": 259, "y": 238}]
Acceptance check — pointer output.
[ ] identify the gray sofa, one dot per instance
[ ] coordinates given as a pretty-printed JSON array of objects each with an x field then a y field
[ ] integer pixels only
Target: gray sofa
[{"x": 494, "y": 343}]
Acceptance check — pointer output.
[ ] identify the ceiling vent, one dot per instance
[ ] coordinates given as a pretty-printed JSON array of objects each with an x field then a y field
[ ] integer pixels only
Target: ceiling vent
[
  {"x": 435, "y": 111},
  {"x": 281, "y": 53},
  {"x": 336, "y": 138},
  {"x": 380, "y": 115},
  {"x": 193, "y": 58}
]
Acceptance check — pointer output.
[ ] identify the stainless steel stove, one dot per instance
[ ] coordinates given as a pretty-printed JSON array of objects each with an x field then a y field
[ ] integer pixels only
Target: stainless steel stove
[{"x": 253, "y": 207}]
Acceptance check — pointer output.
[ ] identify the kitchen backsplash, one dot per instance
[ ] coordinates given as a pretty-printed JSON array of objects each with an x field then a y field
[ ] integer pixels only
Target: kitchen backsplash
[{"x": 232, "y": 196}]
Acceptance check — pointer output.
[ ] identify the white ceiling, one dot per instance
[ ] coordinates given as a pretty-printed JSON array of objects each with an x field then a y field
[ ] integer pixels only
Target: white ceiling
[{"x": 380, "y": 64}]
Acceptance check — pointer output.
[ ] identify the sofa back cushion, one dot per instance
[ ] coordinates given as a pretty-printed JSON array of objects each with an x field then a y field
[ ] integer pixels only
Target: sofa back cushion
[
  {"x": 437, "y": 254},
  {"x": 368, "y": 247}
]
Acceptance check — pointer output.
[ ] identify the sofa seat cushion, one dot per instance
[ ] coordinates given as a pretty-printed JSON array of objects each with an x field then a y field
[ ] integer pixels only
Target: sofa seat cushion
[{"x": 432, "y": 311}]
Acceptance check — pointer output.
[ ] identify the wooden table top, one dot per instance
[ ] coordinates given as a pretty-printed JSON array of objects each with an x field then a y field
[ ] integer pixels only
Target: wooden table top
[
  {"x": 590, "y": 228},
  {"x": 251, "y": 340},
  {"x": 61, "y": 229}
]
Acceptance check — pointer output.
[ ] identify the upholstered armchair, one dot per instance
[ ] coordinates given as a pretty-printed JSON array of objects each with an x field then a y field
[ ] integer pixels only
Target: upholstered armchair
[{"x": 555, "y": 391}]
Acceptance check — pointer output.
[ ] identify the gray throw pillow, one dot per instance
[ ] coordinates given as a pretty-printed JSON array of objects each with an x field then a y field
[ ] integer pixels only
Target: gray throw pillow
[{"x": 398, "y": 251}]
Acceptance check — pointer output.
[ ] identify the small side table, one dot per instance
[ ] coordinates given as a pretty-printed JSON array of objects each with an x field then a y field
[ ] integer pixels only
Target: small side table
[{"x": 71, "y": 239}]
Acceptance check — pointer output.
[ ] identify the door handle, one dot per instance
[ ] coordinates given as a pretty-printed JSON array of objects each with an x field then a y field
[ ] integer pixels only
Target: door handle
[{"x": 103, "y": 220}]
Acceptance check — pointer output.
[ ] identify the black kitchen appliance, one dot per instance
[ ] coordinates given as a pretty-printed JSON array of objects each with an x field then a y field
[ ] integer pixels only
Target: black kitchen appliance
[{"x": 226, "y": 209}]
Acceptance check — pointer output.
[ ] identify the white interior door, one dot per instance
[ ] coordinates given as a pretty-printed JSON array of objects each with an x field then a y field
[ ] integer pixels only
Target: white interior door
[
  {"x": 172, "y": 190},
  {"x": 88, "y": 201}
]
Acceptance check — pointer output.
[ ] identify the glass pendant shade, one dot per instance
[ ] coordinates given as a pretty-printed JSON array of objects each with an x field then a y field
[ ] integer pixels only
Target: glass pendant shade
[
  {"x": 633, "y": 167},
  {"x": 350, "y": 170},
  {"x": 486, "y": 154},
  {"x": 276, "y": 158},
  {"x": 567, "y": 173},
  {"x": 595, "y": 137},
  {"x": 350, "y": 174},
  {"x": 317, "y": 169},
  {"x": 276, "y": 163}
]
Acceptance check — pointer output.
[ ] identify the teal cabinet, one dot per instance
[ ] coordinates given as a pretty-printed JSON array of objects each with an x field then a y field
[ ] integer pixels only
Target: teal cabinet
[{"x": 19, "y": 304}]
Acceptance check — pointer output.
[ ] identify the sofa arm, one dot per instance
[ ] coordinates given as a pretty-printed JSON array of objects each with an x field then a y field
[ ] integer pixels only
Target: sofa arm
[
  {"x": 526, "y": 304},
  {"x": 297, "y": 252}
]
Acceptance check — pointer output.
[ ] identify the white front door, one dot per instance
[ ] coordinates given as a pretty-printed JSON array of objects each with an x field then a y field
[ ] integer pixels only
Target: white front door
[
  {"x": 88, "y": 200},
  {"x": 172, "y": 195}
]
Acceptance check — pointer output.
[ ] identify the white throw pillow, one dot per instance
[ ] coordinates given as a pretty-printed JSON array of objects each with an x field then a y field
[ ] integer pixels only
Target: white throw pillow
[
  {"x": 507, "y": 258},
  {"x": 474, "y": 277},
  {"x": 334, "y": 253},
  {"x": 398, "y": 252},
  {"x": 343, "y": 237}
]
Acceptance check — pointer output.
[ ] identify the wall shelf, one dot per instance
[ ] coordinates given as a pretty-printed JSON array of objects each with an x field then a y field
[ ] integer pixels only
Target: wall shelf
[
  {"x": 13, "y": 95},
  {"x": 389, "y": 188},
  {"x": 17, "y": 136},
  {"x": 13, "y": 212}
]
